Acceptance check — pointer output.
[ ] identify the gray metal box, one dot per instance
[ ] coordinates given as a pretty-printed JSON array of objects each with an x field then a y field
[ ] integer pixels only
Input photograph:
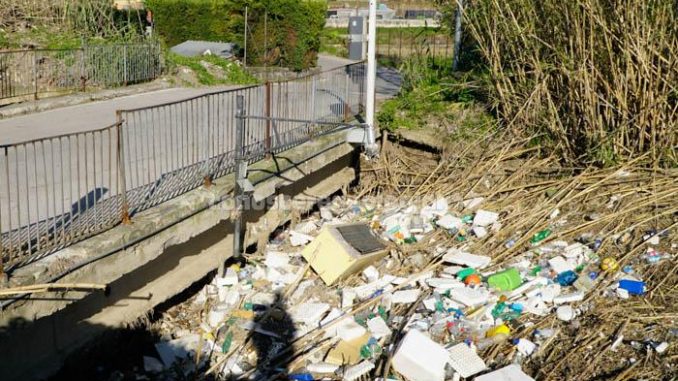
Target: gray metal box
[{"x": 357, "y": 46}]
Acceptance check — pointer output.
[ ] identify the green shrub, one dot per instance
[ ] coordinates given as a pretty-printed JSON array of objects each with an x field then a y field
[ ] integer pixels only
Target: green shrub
[{"x": 291, "y": 34}]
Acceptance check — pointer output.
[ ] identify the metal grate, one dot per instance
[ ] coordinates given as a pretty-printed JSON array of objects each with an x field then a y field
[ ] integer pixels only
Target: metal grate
[{"x": 361, "y": 238}]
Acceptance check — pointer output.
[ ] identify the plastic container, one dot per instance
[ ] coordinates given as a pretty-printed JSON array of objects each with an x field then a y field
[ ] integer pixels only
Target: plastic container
[
  {"x": 507, "y": 280},
  {"x": 566, "y": 278},
  {"x": 632, "y": 286}
]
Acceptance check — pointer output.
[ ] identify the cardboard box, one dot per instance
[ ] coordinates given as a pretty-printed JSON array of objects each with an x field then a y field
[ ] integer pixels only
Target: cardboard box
[{"x": 342, "y": 250}]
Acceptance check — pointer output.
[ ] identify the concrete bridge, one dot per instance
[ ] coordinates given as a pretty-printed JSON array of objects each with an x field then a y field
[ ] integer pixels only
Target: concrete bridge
[{"x": 169, "y": 169}]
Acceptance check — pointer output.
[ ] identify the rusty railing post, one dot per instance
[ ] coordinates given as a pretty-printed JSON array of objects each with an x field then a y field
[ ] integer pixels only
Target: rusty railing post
[
  {"x": 122, "y": 180},
  {"x": 268, "y": 120}
]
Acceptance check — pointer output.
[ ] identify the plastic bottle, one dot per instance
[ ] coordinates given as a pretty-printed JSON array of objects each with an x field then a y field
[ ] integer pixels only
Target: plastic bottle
[
  {"x": 542, "y": 235},
  {"x": 490, "y": 341}
]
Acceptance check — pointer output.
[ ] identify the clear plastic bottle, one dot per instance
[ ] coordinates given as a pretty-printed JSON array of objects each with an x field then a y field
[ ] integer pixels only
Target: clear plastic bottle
[{"x": 490, "y": 341}]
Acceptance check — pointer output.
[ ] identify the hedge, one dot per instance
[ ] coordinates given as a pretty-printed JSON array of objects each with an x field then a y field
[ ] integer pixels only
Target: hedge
[{"x": 292, "y": 35}]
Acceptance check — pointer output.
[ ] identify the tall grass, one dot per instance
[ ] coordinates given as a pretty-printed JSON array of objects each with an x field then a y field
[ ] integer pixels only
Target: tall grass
[{"x": 595, "y": 80}]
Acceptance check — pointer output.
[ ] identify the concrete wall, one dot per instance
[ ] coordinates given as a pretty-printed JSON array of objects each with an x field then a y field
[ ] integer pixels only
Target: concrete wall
[{"x": 188, "y": 237}]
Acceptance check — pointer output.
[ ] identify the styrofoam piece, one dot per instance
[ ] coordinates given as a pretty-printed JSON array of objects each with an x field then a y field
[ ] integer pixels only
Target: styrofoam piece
[
  {"x": 470, "y": 297},
  {"x": 218, "y": 315},
  {"x": 569, "y": 298},
  {"x": 307, "y": 227},
  {"x": 230, "y": 279},
  {"x": 549, "y": 292},
  {"x": 228, "y": 297},
  {"x": 508, "y": 373},
  {"x": 347, "y": 298},
  {"x": 526, "y": 347},
  {"x": 371, "y": 273},
  {"x": 459, "y": 257},
  {"x": 170, "y": 351},
  {"x": 565, "y": 313},
  {"x": 322, "y": 368},
  {"x": 622, "y": 293},
  {"x": 299, "y": 239},
  {"x": 438, "y": 208},
  {"x": 418, "y": 358},
  {"x": 479, "y": 231},
  {"x": 350, "y": 330},
  {"x": 309, "y": 313},
  {"x": 465, "y": 360},
  {"x": 152, "y": 365},
  {"x": 356, "y": 371},
  {"x": 536, "y": 282},
  {"x": 452, "y": 270},
  {"x": 430, "y": 303},
  {"x": 276, "y": 259},
  {"x": 574, "y": 250},
  {"x": 560, "y": 265},
  {"x": 662, "y": 347},
  {"x": 444, "y": 283},
  {"x": 536, "y": 306},
  {"x": 405, "y": 296},
  {"x": 335, "y": 313},
  {"x": 378, "y": 327},
  {"x": 485, "y": 218},
  {"x": 450, "y": 222}
]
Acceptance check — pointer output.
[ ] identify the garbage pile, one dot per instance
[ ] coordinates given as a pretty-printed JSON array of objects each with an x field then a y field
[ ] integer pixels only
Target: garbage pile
[{"x": 369, "y": 290}]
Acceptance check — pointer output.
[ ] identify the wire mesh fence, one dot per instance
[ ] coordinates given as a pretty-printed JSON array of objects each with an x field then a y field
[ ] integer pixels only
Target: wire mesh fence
[
  {"x": 60, "y": 190},
  {"x": 38, "y": 72}
]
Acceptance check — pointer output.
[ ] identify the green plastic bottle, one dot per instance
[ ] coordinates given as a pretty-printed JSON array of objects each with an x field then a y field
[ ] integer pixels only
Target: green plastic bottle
[{"x": 542, "y": 235}]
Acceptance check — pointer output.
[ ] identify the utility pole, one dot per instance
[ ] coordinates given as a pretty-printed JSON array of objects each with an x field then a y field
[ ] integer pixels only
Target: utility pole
[
  {"x": 457, "y": 34},
  {"x": 371, "y": 146}
]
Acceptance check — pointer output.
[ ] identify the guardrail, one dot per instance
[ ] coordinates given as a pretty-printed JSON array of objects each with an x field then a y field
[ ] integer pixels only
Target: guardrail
[
  {"x": 43, "y": 71},
  {"x": 60, "y": 190}
]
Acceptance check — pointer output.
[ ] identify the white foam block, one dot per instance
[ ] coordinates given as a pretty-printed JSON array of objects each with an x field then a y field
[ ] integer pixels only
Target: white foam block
[
  {"x": 484, "y": 218},
  {"x": 230, "y": 279},
  {"x": 371, "y": 274},
  {"x": 479, "y": 231},
  {"x": 418, "y": 358},
  {"x": 444, "y": 283},
  {"x": 569, "y": 298},
  {"x": 507, "y": 373},
  {"x": 309, "y": 313},
  {"x": 405, "y": 296},
  {"x": 349, "y": 330},
  {"x": 526, "y": 347},
  {"x": 299, "y": 239},
  {"x": 378, "y": 327},
  {"x": 465, "y": 360},
  {"x": 459, "y": 257},
  {"x": 276, "y": 259},
  {"x": 560, "y": 265},
  {"x": 450, "y": 222},
  {"x": 470, "y": 297}
]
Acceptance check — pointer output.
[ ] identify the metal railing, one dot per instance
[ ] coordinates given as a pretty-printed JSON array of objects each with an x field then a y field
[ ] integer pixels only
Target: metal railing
[
  {"x": 60, "y": 190},
  {"x": 43, "y": 71}
]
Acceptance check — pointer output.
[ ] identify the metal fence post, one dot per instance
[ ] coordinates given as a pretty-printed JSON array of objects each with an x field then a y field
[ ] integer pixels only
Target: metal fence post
[
  {"x": 313, "y": 88},
  {"x": 122, "y": 181},
  {"x": 347, "y": 104},
  {"x": 124, "y": 59},
  {"x": 83, "y": 68},
  {"x": 35, "y": 74},
  {"x": 240, "y": 175},
  {"x": 268, "y": 115}
]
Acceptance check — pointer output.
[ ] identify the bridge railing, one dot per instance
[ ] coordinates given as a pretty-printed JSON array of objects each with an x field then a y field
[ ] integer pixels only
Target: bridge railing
[
  {"x": 39, "y": 72},
  {"x": 60, "y": 190}
]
